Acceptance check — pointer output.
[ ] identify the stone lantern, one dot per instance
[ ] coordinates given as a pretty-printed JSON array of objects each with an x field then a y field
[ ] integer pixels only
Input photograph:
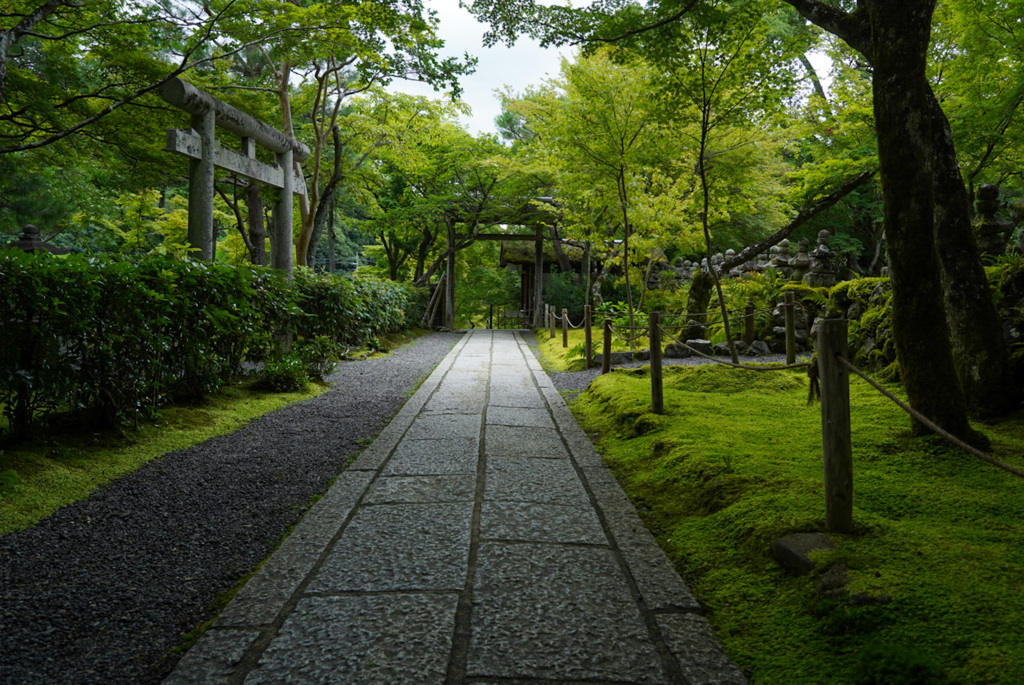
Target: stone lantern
[{"x": 31, "y": 241}]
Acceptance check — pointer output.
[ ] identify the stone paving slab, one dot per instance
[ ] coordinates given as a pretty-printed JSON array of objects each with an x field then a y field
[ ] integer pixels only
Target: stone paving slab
[
  {"x": 399, "y": 547},
  {"x": 263, "y": 597},
  {"x": 447, "y": 456},
  {"x": 422, "y": 489},
  {"x": 700, "y": 655},
  {"x": 531, "y": 522},
  {"x": 518, "y": 441},
  {"x": 445, "y": 426},
  {"x": 325, "y": 518},
  {"x": 514, "y": 397},
  {"x": 214, "y": 659},
  {"x": 545, "y": 481},
  {"x": 533, "y": 618},
  {"x": 520, "y": 416},
  {"x": 362, "y": 640}
]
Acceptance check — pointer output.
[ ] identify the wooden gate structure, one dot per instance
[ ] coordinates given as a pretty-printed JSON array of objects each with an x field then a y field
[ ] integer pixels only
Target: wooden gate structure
[{"x": 205, "y": 153}]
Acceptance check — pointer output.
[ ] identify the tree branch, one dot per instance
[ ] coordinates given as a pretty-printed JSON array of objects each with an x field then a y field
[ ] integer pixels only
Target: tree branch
[
  {"x": 805, "y": 214},
  {"x": 852, "y": 27}
]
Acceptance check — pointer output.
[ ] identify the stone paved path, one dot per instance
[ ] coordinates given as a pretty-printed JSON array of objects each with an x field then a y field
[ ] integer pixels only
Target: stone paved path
[{"x": 478, "y": 540}]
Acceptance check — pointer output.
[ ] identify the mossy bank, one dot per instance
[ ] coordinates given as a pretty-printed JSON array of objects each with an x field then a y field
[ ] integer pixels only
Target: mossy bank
[{"x": 935, "y": 565}]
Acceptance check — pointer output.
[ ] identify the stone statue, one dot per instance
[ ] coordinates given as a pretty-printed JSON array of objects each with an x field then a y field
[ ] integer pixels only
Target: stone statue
[
  {"x": 781, "y": 258},
  {"x": 821, "y": 272},
  {"x": 991, "y": 232},
  {"x": 801, "y": 262}
]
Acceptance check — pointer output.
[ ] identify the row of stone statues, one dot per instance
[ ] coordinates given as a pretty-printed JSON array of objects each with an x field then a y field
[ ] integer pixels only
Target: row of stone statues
[
  {"x": 816, "y": 268},
  {"x": 823, "y": 267}
]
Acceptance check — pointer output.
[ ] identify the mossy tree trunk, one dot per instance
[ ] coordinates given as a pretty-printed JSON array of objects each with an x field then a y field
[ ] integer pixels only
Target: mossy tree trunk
[
  {"x": 982, "y": 360},
  {"x": 699, "y": 298},
  {"x": 900, "y": 35}
]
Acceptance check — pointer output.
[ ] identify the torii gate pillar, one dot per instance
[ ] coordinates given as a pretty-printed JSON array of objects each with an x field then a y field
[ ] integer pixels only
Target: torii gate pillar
[
  {"x": 205, "y": 153},
  {"x": 538, "y": 281}
]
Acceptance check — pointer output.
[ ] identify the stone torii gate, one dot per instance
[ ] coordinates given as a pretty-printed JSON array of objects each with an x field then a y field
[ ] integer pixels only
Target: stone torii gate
[{"x": 205, "y": 153}]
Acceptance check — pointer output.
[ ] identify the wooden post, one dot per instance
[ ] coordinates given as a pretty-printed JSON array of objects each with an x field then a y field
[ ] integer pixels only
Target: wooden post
[
  {"x": 606, "y": 347},
  {"x": 657, "y": 389},
  {"x": 790, "y": 305},
  {"x": 588, "y": 337},
  {"x": 490, "y": 317},
  {"x": 201, "y": 192},
  {"x": 835, "y": 426},
  {"x": 565, "y": 327},
  {"x": 551, "y": 321},
  {"x": 748, "y": 321}
]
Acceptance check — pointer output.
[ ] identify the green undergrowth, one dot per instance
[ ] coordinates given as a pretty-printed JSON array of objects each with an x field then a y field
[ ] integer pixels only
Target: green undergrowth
[
  {"x": 570, "y": 358},
  {"x": 39, "y": 477},
  {"x": 936, "y": 561}
]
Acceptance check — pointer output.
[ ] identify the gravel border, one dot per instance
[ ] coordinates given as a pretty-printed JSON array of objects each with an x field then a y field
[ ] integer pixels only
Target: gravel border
[
  {"x": 572, "y": 383},
  {"x": 103, "y": 589}
]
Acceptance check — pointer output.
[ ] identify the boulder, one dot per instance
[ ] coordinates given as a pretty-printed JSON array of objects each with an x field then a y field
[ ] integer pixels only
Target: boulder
[
  {"x": 676, "y": 351},
  {"x": 701, "y": 345},
  {"x": 793, "y": 551},
  {"x": 758, "y": 348}
]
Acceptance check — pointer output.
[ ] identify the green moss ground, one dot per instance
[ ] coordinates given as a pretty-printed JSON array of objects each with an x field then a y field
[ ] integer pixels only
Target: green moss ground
[
  {"x": 736, "y": 462},
  {"x": 558, "y": 358}
]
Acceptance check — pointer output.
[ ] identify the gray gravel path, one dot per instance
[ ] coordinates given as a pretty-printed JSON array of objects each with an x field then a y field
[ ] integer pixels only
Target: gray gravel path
[{"x": 102, "y": 590}]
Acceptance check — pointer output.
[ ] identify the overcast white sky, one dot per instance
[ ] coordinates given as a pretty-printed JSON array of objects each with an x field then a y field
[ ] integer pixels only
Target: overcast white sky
[{"x": 520, "y": 66}]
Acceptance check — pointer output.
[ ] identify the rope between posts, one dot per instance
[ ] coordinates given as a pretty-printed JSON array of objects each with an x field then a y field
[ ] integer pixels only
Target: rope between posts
[
  {"x": 571, "y": 324},
  {"x": 745, "y": 367},
  {"x": 930, "y": 424},
  {"x": 731, "y": 312},
  {"x": 631, "y": 338}
]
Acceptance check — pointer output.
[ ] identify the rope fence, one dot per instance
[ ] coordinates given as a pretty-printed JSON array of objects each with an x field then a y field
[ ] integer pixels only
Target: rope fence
[
  {"x": 932, "y": 426},
  {"x": 829, "y": 381}
]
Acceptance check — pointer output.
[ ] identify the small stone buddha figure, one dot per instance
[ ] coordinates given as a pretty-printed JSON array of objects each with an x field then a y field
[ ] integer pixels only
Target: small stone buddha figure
[
  {"x": 821, "y": 272},
  {"x": 801, "y": 262},
  {"x": 781, "y": 258},
  {"x": 991, "y": 232}
]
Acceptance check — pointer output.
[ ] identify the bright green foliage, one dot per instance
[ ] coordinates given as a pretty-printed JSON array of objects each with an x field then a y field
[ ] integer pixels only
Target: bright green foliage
[
  {"x": 978, "y": 75},
  {"x": 561, "y": 292},
  {"x": 111, "y": 340},
  {"x": 480, "y": 284},
  {"x": 736, "y": 463}
]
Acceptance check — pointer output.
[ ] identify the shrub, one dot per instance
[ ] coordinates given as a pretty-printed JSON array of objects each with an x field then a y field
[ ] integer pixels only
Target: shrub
[
  {"x": 109, "y": 339},
  {"x": 287, "y": 374},
  {"x": 562, "y": 293}
]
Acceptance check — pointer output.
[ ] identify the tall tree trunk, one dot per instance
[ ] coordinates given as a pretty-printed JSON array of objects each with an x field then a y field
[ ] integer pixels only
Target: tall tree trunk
[
  {"x": 257, "y": 230},
  {"x": 563, "y": 262},
  {"x": 982, "y": 360},
  {"x": 900, "y": 34}
]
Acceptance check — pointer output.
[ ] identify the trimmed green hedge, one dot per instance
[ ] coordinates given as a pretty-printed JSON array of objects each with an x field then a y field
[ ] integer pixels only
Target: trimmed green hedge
[{"x": 107, "y": 339}]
